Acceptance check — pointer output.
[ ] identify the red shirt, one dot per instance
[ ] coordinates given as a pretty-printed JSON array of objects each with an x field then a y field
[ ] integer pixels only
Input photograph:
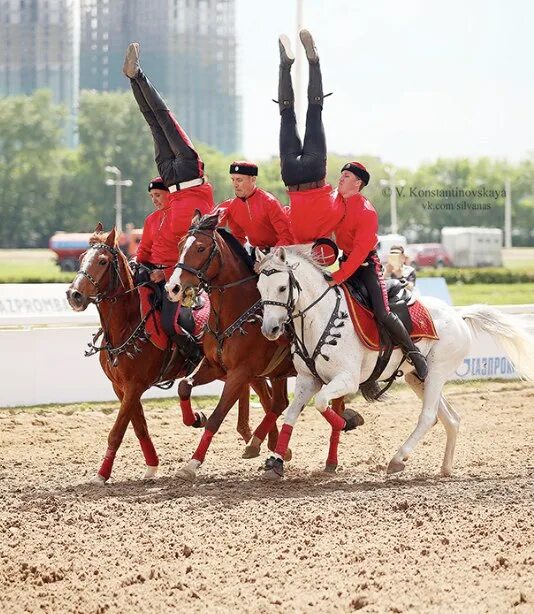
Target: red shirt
[
  {"x": 181, "y": 210},
  {"x": 356, "y": 234},
  {"x": 151, "y": 227},
  {"x": 314, "y": 213},
  {"x": 260, "y": 218}
]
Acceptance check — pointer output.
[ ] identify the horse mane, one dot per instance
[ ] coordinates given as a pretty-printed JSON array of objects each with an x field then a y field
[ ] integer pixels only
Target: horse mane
[
  {"x": 206, "y": 222},
  {"x": 236, "y": 247},
  {"x": 98, "y": 237},
  {"x": 300, "y": 251}
]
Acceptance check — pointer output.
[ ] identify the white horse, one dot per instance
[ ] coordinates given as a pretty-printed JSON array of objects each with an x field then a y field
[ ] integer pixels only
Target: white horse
[{"x": 293, "y": 286}]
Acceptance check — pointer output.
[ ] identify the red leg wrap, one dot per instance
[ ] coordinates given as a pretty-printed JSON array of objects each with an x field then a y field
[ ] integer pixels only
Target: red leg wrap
[
  {"x": 265, "y": 425},
  {"x": 107, "y": 463},
  {"x": 149, "y": 451},
  {"x": 334, "y": 420},
  {"x": 332, "y": 450},
  {"x": 283, "y": 440},
  {"x": 188, "y": 415},
  {"x": 203, "y": 446}
]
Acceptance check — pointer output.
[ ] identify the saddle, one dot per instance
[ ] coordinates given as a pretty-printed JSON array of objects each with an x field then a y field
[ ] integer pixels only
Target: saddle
[
  {"x": 413, "y": 314},
  {"x": 170, "y": 322}
]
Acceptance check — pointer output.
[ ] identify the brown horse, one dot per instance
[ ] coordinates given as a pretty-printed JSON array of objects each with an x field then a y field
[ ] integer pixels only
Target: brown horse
[
  {"x": 234, "y": 347},
  {"x": 128, "y": 359}
]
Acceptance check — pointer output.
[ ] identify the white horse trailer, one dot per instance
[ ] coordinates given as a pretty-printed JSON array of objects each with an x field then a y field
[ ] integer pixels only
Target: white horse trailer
[{"x": 473, "y": 247}]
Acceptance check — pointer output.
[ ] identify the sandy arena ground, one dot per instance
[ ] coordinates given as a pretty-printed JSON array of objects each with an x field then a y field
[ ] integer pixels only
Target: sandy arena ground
[{"x": 314, "y": 543}]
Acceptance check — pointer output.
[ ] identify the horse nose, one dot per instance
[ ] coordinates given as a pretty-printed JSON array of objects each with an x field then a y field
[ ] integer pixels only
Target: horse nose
[
  {"x": 176, "y": 289},
  {"x": 75, "y": 297}
]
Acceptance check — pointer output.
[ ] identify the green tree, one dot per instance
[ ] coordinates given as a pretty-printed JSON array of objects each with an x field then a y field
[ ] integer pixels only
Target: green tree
[{"x": 30, "y": 167}]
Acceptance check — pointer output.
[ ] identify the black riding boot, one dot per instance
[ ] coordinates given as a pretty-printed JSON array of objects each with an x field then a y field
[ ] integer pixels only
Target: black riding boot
[
  {"x": 189, "y": 347},
  {"x": 286, "y": 96},
  {"x": 315, "y": 82},
  {"x": 400, "y": 336}
]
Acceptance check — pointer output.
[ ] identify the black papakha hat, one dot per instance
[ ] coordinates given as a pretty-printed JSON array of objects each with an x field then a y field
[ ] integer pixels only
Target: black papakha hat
[
  {"x": 157, "y": 184},
  {"x": 359, "y": 170},
  {"x": 244, "y": 168}
]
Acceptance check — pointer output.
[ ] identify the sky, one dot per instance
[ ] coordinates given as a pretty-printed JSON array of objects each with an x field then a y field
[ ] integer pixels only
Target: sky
[{"x": 412, "y": 81}]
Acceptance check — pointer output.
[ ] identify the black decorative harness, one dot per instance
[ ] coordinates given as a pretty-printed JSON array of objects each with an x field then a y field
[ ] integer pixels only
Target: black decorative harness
[
  {"x": 249, "y": 316},
  {"x": 329, "y": 330},
  {"x": 139, "y": 334}
]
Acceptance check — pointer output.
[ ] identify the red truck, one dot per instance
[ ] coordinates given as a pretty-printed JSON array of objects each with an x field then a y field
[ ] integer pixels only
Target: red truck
[{"x": 69, "y": 246}]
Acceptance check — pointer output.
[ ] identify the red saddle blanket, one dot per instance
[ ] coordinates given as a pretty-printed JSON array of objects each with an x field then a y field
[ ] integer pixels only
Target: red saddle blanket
[
  {"x": 154, "y": 327},
  {"x": 366, "y": 328}
]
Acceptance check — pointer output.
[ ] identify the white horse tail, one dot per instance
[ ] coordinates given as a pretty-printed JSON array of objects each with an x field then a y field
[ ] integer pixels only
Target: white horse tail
[{"x": 510, "y": 332}]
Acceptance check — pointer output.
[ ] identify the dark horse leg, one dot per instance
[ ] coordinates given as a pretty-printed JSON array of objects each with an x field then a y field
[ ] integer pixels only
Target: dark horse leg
[
  {"x": 130, "y": 409},
  {"x": 233, "y": 386}
]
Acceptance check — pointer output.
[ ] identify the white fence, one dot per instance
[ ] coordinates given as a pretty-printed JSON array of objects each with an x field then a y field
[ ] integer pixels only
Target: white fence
[{"x": 42, "y": 342}]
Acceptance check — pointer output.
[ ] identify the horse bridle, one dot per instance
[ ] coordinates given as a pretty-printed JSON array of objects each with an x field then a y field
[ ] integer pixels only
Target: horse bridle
[
  {"x": 298, "y": 342},
  {"x": 104, "y": 295},
  {"x": 205, "y": 283},
  {"x": 291, "y": 299},
  {"x": 201, "y": 273}
]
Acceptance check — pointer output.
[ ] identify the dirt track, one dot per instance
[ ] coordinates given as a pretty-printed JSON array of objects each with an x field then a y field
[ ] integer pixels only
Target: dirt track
[{"x": 352, "y": 541}]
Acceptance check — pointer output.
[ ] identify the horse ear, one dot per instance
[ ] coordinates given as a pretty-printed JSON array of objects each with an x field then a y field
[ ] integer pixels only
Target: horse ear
[
  {"x": 111, "y": 239},
  {"x": 99, "y": 227},
  {"x": 260, "y": 256},
  {"x": 196, "y": 217},
  {"x": 281, "y": 253}
]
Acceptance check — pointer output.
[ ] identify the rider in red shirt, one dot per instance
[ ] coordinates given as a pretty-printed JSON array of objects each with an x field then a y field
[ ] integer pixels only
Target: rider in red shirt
[
  {"x": 159, "y": 195},
  {"x": 356, "y": 235},
  {"x": 254, "y": 214},
  {"x": 316, "y": 211},
  {"x": 182, "y": 172}
]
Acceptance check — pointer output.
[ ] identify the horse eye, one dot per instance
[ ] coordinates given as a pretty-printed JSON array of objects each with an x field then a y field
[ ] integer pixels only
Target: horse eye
[
  {"x": 282, "y": 288},
  {"x": 201, "y": 249},
  {"x": 102, "y": 262}
]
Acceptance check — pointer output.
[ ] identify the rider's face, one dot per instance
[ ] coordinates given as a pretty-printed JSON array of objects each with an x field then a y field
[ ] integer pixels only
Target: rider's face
[
  {"x": 243, "y": 184},
  {"x": 349, "y": 184},
  {"x": 159, "y": 198}
]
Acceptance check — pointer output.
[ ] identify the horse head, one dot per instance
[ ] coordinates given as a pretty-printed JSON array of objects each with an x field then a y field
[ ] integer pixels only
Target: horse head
[
  {"x": 199, "y": 261},
  {"x": 278, "y": 288},
  {"x": 100, "y": 271}
]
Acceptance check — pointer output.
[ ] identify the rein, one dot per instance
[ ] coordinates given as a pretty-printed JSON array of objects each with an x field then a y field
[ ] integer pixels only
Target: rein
[
  {"x": 298, "y": 342},
  {"x": 139, "y": 335},
  {"x": 249, "y": 316}
]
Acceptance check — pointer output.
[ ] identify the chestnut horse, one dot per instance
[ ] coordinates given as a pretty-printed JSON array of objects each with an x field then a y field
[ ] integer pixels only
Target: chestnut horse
[
  {"x": 234, "y": 347},
  {"x": 130, "y": 362}
]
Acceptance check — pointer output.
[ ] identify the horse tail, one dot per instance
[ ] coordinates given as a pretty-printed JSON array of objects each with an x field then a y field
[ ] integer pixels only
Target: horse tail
[{"x": 508, "y": 330}]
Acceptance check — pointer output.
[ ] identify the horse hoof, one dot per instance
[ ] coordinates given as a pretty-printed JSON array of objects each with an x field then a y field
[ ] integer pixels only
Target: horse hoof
[
  {"x": 274, "y": 468},
  {"x": 330, "y": 468},
  {"x": 395, "y": 466},
  {"x": 200, "y": 421},
  {"x": 352, "y": 419},
  {"x": 288, "y": 455},
  {"x": 99, "y": 479},
  {"x": 251, "y": 451},
  {"x": 150, "y": 472},
  {"x": 271, "y": 476},
  {"x": 446, "y": 472},
  {"x": 186, "y": 474}
]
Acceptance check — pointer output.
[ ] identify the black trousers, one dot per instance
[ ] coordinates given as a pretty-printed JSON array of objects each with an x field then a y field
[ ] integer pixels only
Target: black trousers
[
  {"x": 370, "y": 275},
  {"x": 175, "y": 156},
  {"x": 302, "y": 163}
]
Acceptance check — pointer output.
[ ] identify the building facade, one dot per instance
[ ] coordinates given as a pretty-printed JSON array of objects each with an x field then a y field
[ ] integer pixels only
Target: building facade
[
  {"x": 188, "y": 48},
  {"x": 39, "y": 48}
]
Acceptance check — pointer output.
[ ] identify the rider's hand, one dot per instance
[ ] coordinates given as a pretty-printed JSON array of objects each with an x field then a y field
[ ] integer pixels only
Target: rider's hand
[
  {"x": 332, "y": 283},
  {"x": 157, "y": 275}
]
